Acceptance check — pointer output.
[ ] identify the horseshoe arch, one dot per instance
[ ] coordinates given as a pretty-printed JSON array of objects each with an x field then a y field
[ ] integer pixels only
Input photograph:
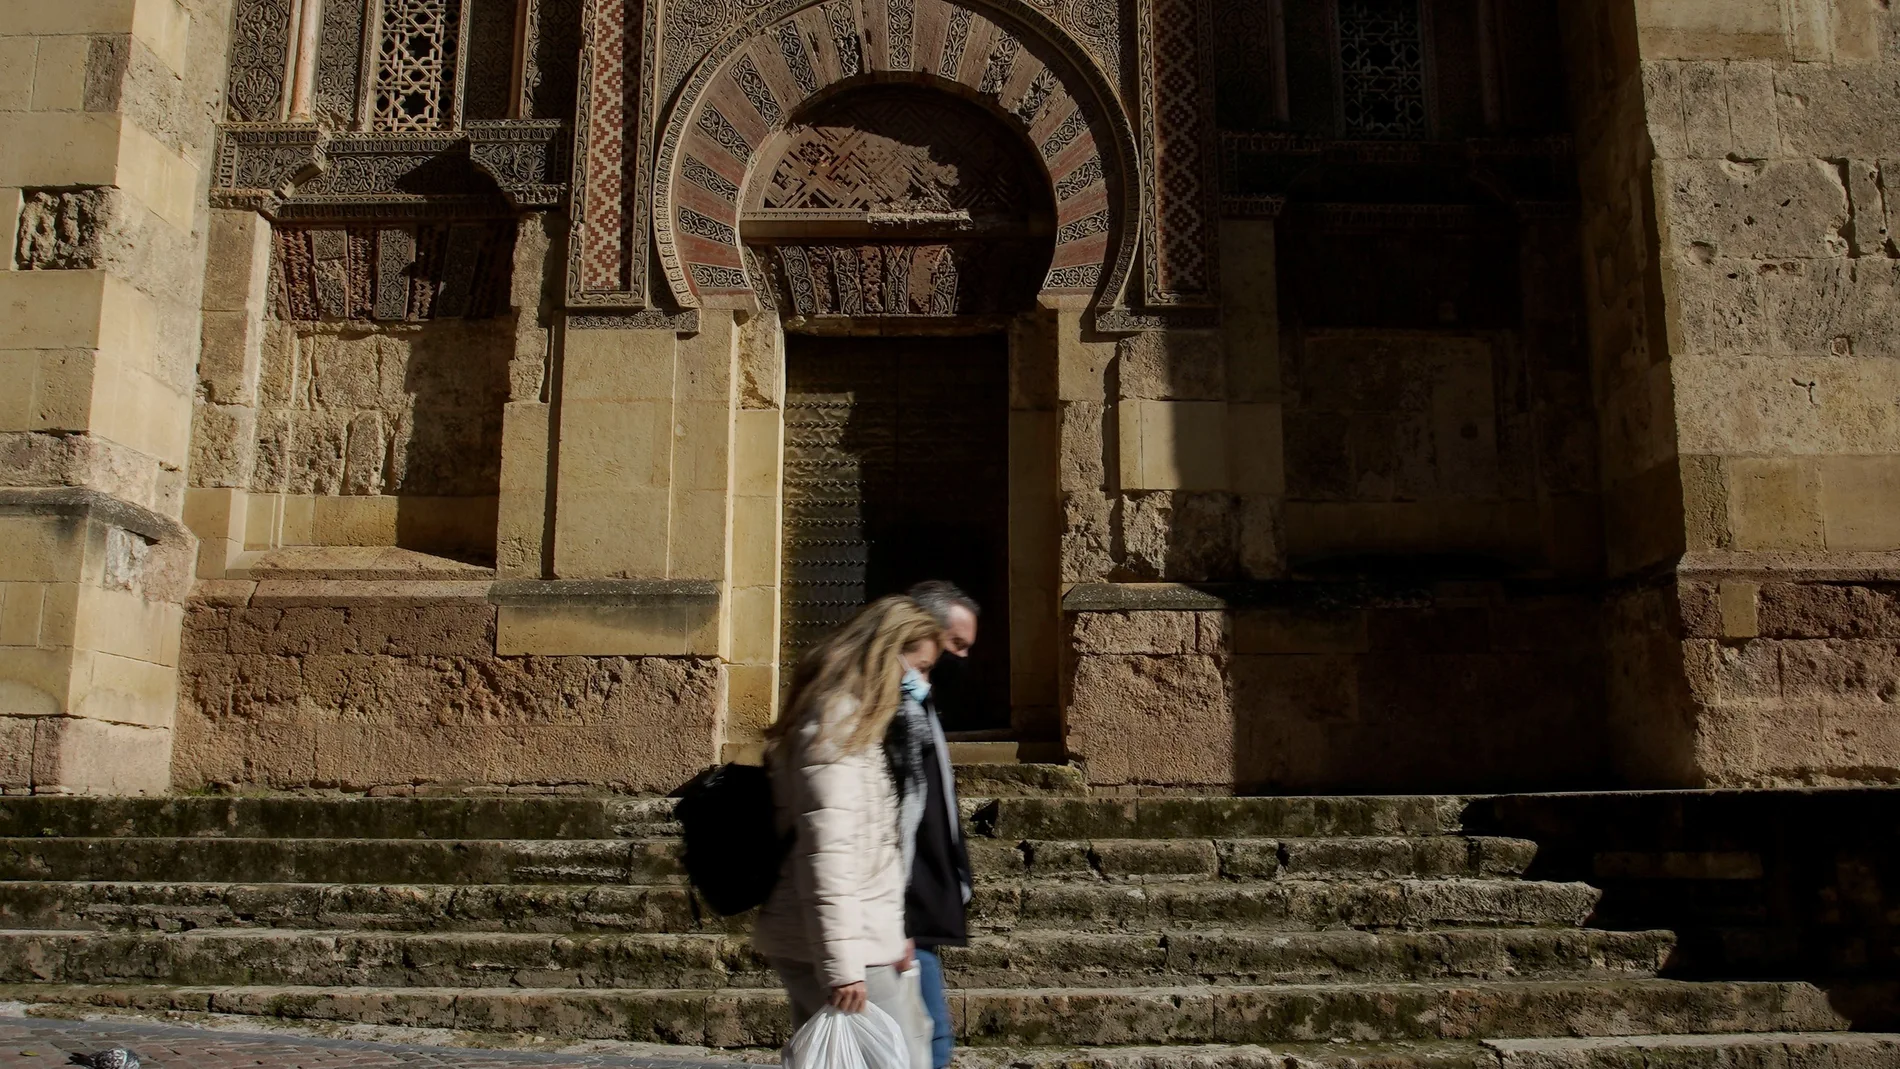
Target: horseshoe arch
[{"x": 1002, "y": 54}]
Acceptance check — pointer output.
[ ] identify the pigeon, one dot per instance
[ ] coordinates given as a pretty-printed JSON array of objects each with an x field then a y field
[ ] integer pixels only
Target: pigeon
[{"x": 116, "y": 1058}]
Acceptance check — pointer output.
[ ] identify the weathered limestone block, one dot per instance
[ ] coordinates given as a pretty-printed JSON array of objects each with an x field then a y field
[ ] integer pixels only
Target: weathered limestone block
[
  {"x": 1720, "y": 305},
  {"x": 1757, "y": 209},
  {"x": 761, "y": 362},
  {"x": 62, "y": 229},
  {"x": 1300, "y": 631},
  {"x": 1158, "y": 720},
  {"x": 1173, "y": 445},
  {"x": 1796, "y": 405},
  {"x": 1152, "y": 633},
  {"x": 364, "y": 455},
  {"x": 1184, "y": 365},
  {"x": 223, "y": 445},
  {"x": 1081, "y": 464},
  {"x": 1087, "y": 548},
  {"x": 1833, "y": 112},
  {"x": 30, "y": 459},
  {"x": 1262, "y": 524},
  {"x": 357, "y": 695},
  {"x": 1828, "y": 610},
  {"x": 1181, "y": 536},
  {"x": 1834, "y": 307},
  {"x": 1719, "y": 672},
  {"x": 413, "y": 410},
  {"x": 1837, "y": 671}
]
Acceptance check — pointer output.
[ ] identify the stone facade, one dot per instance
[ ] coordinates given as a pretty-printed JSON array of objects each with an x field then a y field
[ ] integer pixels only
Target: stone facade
[{"x": 1424, "y": 396}]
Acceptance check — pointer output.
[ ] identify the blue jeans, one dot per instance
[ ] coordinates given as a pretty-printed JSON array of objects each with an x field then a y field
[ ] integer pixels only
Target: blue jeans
[{"x": 930, "y": 970}]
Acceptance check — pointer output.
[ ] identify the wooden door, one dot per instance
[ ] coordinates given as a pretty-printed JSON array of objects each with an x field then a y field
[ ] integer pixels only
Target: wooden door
[{"x": 897, "y": 470}]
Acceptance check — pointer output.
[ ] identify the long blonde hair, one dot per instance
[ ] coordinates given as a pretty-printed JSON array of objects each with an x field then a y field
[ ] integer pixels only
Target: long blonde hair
[{"x": 862, "y": 661}]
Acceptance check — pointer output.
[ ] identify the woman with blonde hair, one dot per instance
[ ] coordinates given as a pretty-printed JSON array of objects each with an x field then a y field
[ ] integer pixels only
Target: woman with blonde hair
[{"x": 834, "y": 925}]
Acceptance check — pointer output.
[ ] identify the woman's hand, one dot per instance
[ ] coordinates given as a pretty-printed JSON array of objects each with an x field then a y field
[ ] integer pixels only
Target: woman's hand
[
  {"x": 909, "y": 960},
  {"x": 850, "y": 997}
]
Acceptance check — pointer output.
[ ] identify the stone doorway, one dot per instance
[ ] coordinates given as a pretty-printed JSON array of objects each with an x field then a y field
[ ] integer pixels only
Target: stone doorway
[{"x": 896, "y": 470}]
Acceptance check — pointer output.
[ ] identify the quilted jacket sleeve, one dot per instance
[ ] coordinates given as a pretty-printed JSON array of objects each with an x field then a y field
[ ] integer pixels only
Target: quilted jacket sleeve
[{"x": 830, "y": 822}]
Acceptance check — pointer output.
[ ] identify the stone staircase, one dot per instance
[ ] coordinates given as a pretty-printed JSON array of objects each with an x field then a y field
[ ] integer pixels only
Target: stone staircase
[{"x": 1125, "y": 934}]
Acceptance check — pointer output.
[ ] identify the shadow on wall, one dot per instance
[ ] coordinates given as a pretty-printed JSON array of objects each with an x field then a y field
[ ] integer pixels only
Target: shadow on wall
[
  {"x": 1394, "y": 687},
  {"x": 393, "y": 431},
  {"x": 1769, "y": 885}
]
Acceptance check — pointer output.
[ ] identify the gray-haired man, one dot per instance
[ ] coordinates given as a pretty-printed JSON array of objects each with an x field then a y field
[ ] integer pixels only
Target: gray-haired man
[{"x": 940, "y": 874}]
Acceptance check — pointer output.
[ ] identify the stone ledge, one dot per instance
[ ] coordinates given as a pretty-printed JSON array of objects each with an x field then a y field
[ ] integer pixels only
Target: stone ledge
[
  {"x": 1288, "y": 593},
  {"x": 608, "y": 617},
  {"x": 280, "y": 593},
  {"x": 348, "y": 593},
  {"x": 1870, "y": 567},
  {"x": 658, "y": 593},
  {"x": 81, "y": 503},
  {"x": 380, "y": 563}
]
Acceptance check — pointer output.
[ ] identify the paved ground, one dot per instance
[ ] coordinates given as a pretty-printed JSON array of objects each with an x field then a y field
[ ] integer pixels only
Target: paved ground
[{"x": 42, "y": 1043}]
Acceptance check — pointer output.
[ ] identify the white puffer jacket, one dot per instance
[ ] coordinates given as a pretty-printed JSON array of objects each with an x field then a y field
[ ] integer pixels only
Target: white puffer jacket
[{"x": 839, "y": 903}]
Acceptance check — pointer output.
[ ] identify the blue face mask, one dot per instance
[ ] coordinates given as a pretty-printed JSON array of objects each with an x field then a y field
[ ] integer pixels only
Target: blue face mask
[{"x": 916, "y": 687}]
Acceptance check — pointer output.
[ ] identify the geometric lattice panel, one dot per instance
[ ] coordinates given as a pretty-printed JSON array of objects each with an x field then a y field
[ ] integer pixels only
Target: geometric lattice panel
[
  {"x": 415, "y": 64},
  {"x": 1382, "y": 70}
]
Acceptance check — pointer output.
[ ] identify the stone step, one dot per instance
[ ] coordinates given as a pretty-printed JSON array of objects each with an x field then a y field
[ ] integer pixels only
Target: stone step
[
  {"x": 566, "y": 817},
  {"x": 1065, "y": 905},
  {"x": 734, "y": 1017},
  {"x": 1244, "y": 859},
  {"x": 449, "y": 861},
  {"x": 1280, "y": 905},
  {"x": 1030, "y": 959},
  {"x": 1201, "y": 817},
  {"x": 1019, "y": 779},
  {"x": 339, "y": 817},
  {"x": 656, "y": 860},
  {"x": 1415, "y": 1054},
  {"x": 1762, "y": 1050}
]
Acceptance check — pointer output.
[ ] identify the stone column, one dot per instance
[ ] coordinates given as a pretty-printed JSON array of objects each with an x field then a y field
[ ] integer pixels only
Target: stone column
[
  {"x": 1035, "y": 511},
  {"x": 752, "y": 677},
  {"x": 102, "y": 183},
  {"x": 643, "y": 497},
  {"x": 224, "y": 423},
  {"x": 528, "y": 451},
  {"x": 1256, "y": 449}
]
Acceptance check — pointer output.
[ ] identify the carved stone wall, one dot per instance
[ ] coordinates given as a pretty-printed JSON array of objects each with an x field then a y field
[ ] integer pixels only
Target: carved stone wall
[
  {"x": 1180, "y": 240},
  {"x": 415, "y": 110},
  {"x": 607, "y": 255},
  {"x": 260, "y": 58},
  {"x": 413, "y": 273}
]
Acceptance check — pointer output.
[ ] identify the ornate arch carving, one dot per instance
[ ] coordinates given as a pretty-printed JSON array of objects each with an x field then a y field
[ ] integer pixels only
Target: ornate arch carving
[
  {"x": 897, "y": 200},
  {"x": 1004, "y": 56}
]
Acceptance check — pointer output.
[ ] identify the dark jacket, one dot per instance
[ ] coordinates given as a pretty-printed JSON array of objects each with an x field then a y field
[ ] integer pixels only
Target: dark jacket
[{"x": 940, "y": 874}]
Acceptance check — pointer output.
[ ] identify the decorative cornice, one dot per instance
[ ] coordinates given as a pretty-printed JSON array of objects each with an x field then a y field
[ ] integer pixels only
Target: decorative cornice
[{"x": 305, "y": 171}]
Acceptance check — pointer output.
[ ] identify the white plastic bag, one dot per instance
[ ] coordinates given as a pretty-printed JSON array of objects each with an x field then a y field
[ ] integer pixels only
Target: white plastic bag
[{"x": 834, "y": 1039}]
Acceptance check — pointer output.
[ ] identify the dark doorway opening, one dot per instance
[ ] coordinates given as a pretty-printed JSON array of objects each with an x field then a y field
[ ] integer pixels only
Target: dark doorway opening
[{"x": 897, "y": 470}]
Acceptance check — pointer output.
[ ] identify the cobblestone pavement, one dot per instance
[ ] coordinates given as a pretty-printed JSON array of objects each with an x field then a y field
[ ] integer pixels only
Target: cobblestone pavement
[{"x": 42, "y": 1043}]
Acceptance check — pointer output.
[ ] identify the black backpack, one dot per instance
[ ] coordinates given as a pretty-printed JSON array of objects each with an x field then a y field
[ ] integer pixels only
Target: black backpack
[{"x": 733, "y": 847}]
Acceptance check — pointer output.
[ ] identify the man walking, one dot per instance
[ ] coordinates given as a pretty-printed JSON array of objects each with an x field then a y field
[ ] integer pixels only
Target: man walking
[{"x": 940, "y": 873}]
